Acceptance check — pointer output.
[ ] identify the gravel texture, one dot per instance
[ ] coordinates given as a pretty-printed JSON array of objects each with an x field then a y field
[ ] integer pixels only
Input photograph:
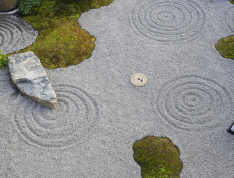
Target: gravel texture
[{"x": 188, "y": 96}]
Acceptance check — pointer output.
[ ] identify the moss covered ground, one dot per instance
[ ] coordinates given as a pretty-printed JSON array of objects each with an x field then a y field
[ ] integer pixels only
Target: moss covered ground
[
  {"x": 158, "y": 157},
  {"x": 61, "y": 41}
]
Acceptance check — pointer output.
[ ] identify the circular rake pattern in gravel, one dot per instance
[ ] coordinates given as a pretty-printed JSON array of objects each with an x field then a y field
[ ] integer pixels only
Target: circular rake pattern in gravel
[
  {"x": 168, "y": 21},
  {"x": 193, "y": 103},
  {"x": 229, "y": 19},
  {"x": 15, "y": 34},
  {"x": 72, "y": 120}
]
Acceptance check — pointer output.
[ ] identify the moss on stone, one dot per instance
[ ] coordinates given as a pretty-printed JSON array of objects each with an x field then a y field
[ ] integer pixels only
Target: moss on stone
[
  {"x": 61, "y": 41},
  {"x": 158, "y": 157},
  {"x": 225, "y": 47},
  {"x": 232, "y": 1}
]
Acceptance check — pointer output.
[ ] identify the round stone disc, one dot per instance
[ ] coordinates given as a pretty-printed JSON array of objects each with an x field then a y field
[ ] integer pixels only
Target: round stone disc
[{"x": 138, "y": 79}]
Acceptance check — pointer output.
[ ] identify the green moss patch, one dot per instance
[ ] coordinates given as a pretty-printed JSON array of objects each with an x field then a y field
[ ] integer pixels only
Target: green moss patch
[
  {"x": 3, "y": 61},
  {"x": 158, "y": 157},
  {"x": 61, "y": 41},
  {"x": 225, "y": 47}
]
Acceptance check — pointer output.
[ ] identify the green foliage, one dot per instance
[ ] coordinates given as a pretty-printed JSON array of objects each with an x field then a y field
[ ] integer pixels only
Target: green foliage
[
  {"x": 26, "y": 5},
  {"x": 3, "y": 60}
]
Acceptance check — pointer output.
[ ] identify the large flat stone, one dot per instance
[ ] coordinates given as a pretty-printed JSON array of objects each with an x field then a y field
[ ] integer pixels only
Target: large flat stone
[{"x": 30, "y": 77}]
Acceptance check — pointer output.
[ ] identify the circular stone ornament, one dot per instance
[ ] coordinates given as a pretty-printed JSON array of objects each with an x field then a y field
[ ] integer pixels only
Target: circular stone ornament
[{"x": 138, "y": 79}]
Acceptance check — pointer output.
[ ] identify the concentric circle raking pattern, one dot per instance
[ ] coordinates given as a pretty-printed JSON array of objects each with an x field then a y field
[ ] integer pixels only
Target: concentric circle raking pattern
[
  {"x": 72, "y": 120},
  {"x": 168, "y": 21},
  {"x": 15, "y": 34},
  {"x": 193, "y": 103},
  {"x": 229, "y": 18}
]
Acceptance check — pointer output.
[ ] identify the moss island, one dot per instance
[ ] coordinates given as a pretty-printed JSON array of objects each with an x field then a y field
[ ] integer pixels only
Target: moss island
[{"x": 158, "y": 157}]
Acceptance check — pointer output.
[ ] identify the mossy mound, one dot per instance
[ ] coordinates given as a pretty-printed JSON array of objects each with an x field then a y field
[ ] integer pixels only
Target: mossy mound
[
  {"x": 61, "y": 41},
  {"x": 225, "y": 47},
  {"x": 232, "y": 1},
  {"x": 158, "y": 157}
]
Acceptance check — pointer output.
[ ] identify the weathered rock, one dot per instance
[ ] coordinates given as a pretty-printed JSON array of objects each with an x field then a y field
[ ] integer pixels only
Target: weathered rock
[{"x": 30, "y": 77}]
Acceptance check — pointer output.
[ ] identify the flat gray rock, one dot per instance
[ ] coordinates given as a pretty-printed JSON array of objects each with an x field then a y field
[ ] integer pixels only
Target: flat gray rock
[{"x": 30, "y": 77}]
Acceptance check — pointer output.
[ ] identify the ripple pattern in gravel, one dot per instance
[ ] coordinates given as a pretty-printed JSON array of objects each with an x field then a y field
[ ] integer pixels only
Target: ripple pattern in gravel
[
  {"x": 193, "y": 103},
  {"x": 168, "y": 21},
  {"x": 71, "y": 121},
  {"x": 15, "y": 34}
]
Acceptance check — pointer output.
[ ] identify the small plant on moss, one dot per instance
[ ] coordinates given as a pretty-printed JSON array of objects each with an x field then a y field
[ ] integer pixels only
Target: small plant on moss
[
  {"x": 25, "y": 6},
  {"x": 3, "y": 60}
]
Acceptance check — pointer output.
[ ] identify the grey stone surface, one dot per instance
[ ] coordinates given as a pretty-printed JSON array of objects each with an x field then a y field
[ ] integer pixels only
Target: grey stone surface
[{"x": 30, "y": 77}]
